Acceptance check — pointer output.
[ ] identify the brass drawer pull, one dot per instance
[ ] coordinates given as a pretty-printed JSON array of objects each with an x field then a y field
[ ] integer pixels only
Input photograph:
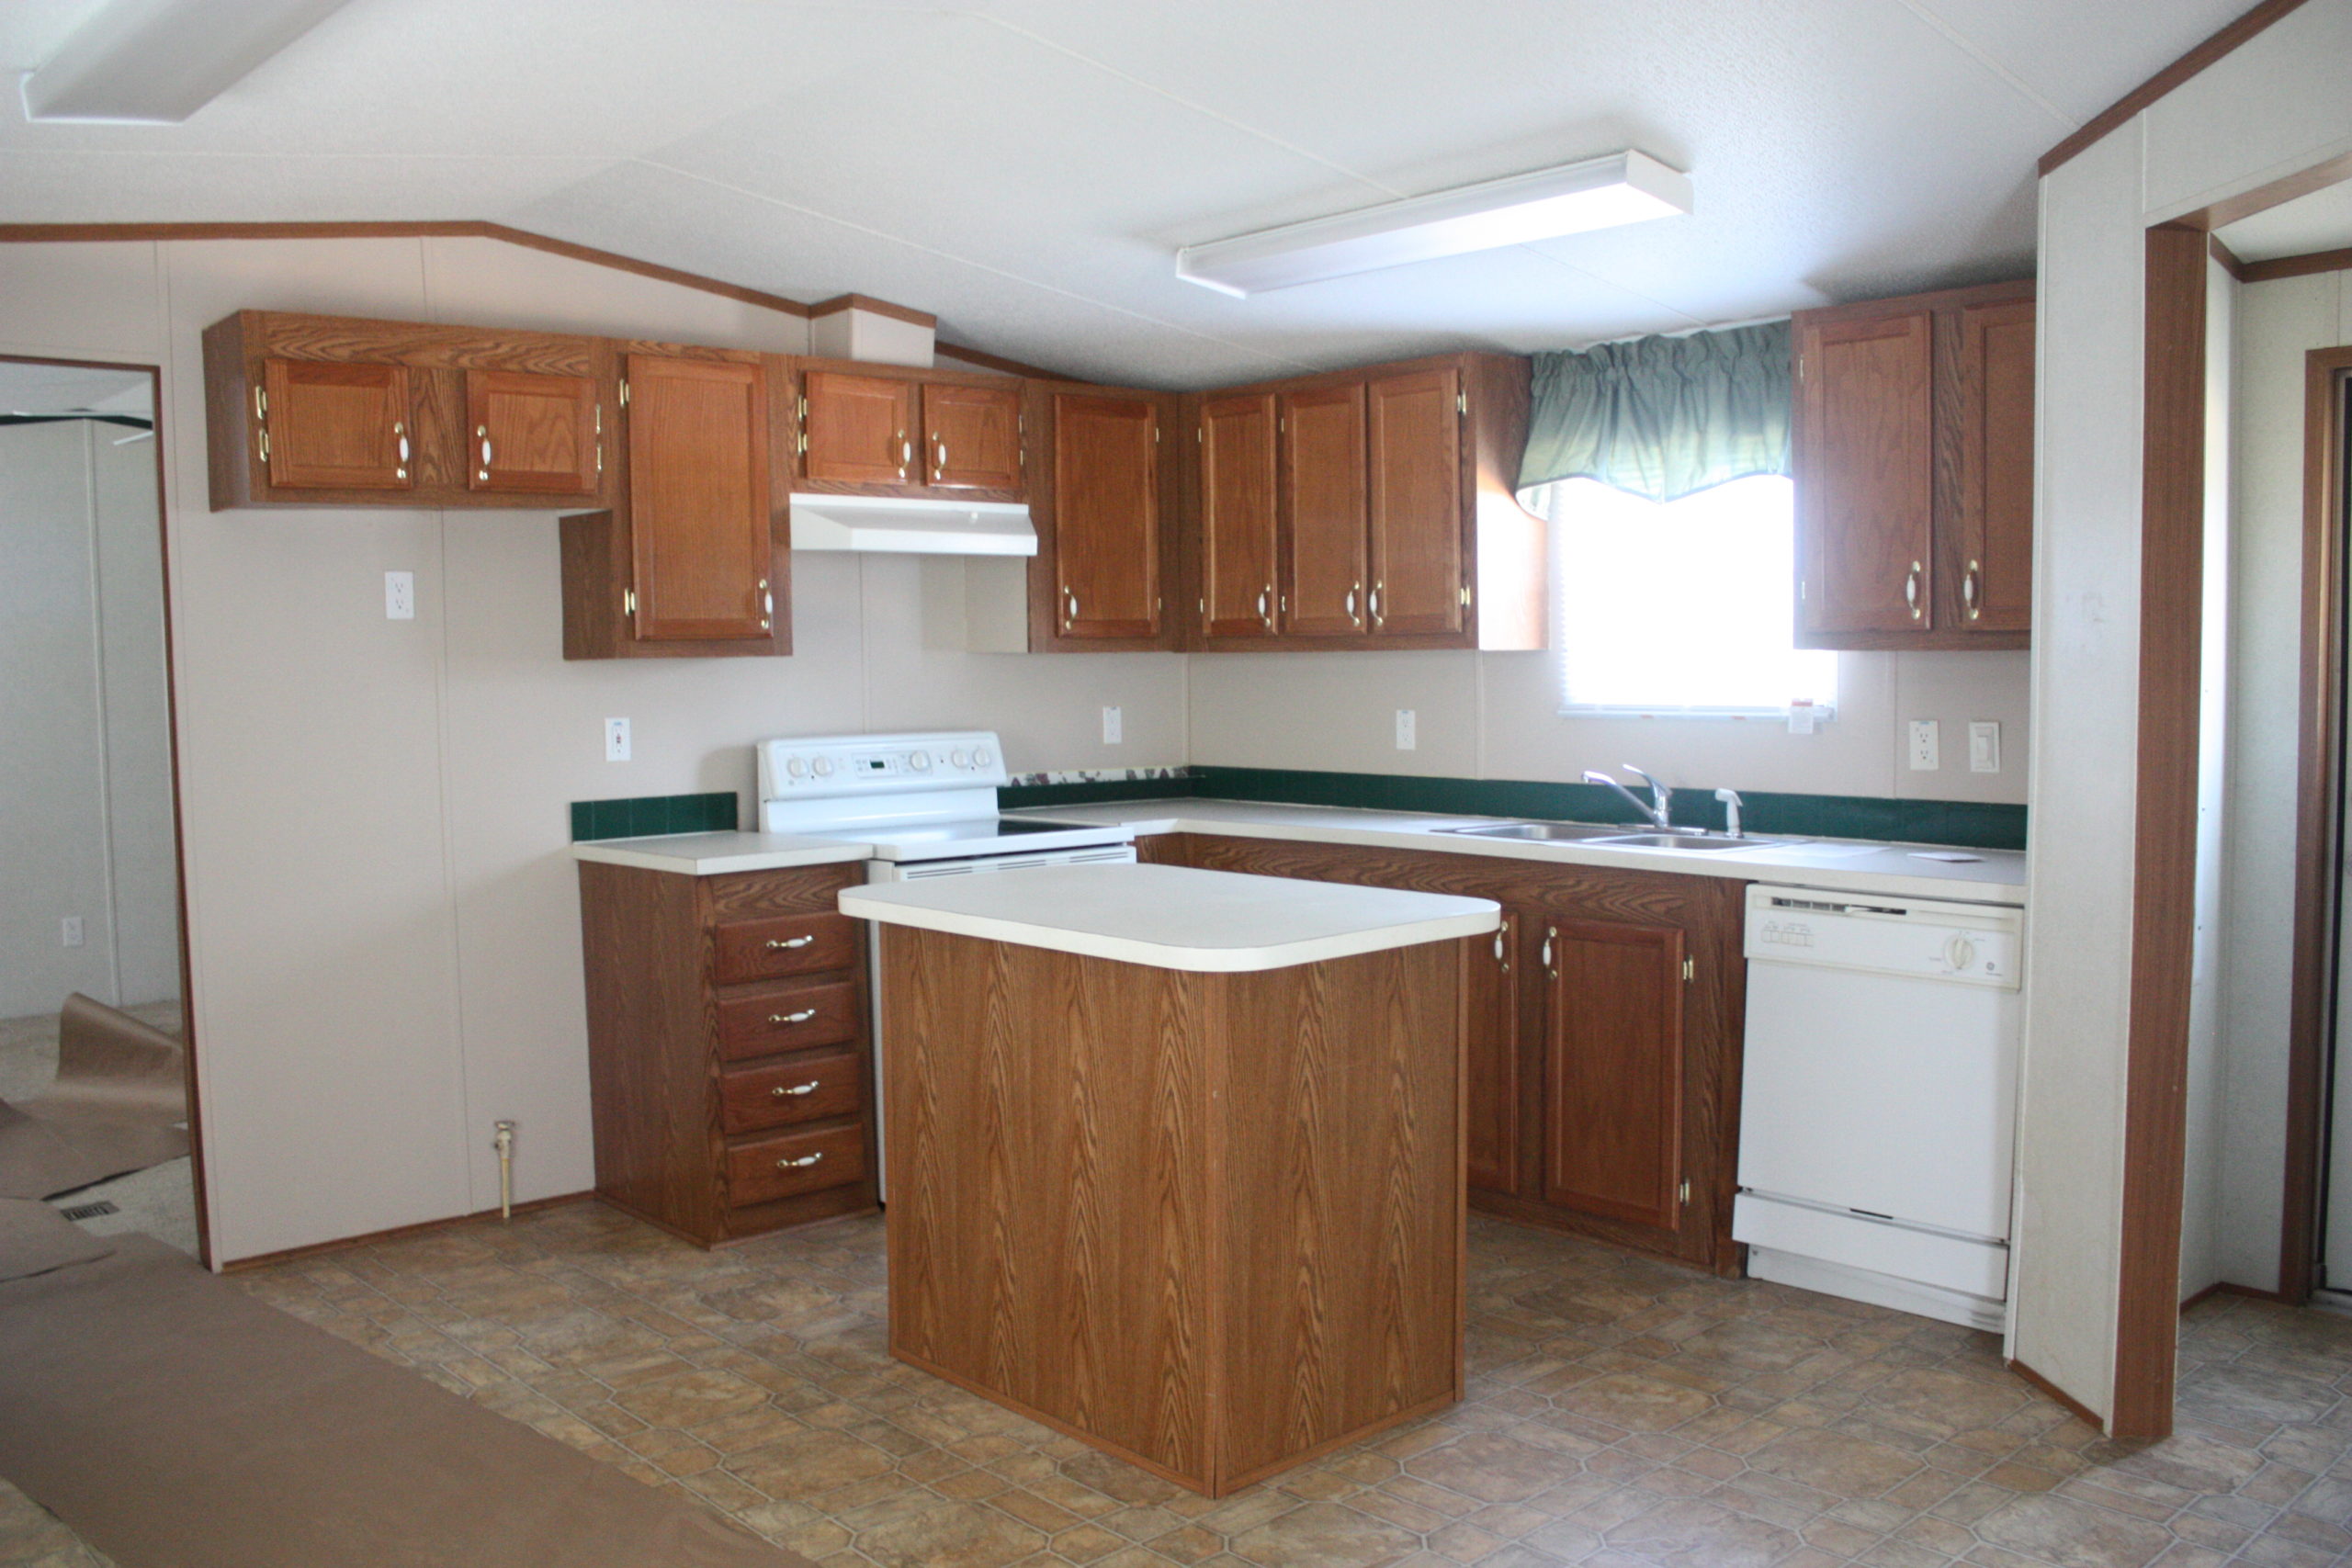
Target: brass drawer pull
[
  {"x": 780, "y": 1093},
  {"x": 805, "y": 1160},
  {"x": 790, "y": 942},
  {"x": 785, "y": 1019}
]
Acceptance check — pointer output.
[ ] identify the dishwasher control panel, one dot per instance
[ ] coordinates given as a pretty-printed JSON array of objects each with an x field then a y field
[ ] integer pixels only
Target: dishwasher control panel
[{"x": 1967, "y": 943}]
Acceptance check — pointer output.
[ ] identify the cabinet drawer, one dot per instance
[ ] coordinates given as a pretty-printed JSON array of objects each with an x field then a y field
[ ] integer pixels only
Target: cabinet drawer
[
  {"x": 788, "y": 944},
  {"x": 794, "y": 1163},
  {"x": 775, "y": 1022},
  {"x": 806, "y": 1089}
]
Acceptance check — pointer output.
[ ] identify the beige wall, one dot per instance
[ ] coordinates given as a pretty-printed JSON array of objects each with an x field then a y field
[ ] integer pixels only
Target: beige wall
[
  {"x": 385, "y": 927},
  {"x": 2271, "y": 107}
]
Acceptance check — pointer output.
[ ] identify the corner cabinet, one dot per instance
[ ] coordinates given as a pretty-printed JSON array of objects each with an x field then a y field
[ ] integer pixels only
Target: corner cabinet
[
  {"x": 1913, "y": 457},
  {"x": 1602, "y": 1054},
  {"x": 1365, "y": 509},
  {"x": 694, "y": 557}
]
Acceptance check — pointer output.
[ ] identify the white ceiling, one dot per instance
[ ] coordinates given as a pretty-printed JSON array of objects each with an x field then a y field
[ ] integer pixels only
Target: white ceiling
[
  {"x": 2320, "y": 222},
  {"x": 33, "y": 388},
  {"x": 1027, "y": 168}
]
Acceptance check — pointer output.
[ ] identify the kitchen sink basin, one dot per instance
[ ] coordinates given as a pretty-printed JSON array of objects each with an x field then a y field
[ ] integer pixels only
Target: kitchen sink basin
[
  {"x": 1564, "y": 833},
  {"x": 1687, "y": 841}
]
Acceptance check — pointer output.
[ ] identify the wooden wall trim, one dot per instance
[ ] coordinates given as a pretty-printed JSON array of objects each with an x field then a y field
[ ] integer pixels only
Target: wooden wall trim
[
  {"x": 2226, "y": 257},
  {"x": 2126, "y": 107},
  {"x": 988, "y": 361},
  {"x": 2075, "y": 1407},
  {"x": 873, "y": 307},
  {"x": 2296, "y": 266},
  {"x": 2319, "y": 816},
  {"x": 2172, "y": 542}
]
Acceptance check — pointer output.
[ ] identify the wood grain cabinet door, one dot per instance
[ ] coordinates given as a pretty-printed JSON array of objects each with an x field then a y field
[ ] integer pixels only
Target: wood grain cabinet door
[
  {"x": 858, "y": 429},
  {"x": 1414, "y": 423},
  {"x": 1865, "y": 461},
  {"x": 337, "y": 426},
  {"x": 1238, "y": 531},
  {"x": 1993, "y": 525},
  {"x": 1106, "y": 515},
  {"x": 535, "y": 434},
  {"x": 699, "y": 529},
  {"x": 971, "y": 436},
  {"x": 1491, "y": 1049},
  {"x": 1321, "y": 437},
  {"x": 1612, "y": 1091}
]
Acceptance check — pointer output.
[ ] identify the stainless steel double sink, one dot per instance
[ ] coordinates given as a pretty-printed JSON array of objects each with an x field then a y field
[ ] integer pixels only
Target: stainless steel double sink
[{"x": 1615, "y": 838}]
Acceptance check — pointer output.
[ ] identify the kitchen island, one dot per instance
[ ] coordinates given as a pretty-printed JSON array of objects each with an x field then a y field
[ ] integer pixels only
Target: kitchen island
[{"x": 1174, "y": 1156}]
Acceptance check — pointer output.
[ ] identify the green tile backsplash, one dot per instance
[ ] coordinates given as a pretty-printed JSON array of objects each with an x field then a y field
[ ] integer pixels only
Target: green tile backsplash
[{"x": 648, "y": 815}]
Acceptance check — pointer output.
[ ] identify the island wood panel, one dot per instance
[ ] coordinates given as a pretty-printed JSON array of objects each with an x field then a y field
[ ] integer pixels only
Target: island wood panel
[
  {"x": 1706, "y": 911},
  {"x": 1215, "y": 1255}
]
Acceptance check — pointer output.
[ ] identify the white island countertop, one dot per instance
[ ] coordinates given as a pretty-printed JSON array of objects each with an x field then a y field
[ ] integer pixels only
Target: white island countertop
[
  {"x": 712, "y": 854},
  {"x": 1171, "y": 917},
  {"x": 1909, "y": 871}
]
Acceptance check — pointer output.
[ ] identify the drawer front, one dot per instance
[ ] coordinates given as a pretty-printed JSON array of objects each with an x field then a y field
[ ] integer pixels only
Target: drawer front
[
  {"x": 806, "y": 1089},
  {"x": 773, "y": 1022},
  {"x": 794, "y": 1163},
  {"x": 785, "y": 944}
]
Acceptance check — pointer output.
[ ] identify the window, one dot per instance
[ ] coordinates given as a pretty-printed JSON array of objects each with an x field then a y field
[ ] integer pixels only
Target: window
[{"x": 1685, "y": 607}]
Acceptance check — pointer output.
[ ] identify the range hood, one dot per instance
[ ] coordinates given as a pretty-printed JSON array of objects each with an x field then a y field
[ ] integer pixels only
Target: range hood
[{"x": 903, "y": 527}]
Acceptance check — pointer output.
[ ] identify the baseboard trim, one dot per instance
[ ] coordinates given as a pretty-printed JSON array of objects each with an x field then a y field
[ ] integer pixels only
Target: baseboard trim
[
  {"x": 2224, "y": 1288},
  {"x": 2075, "y": 1407},
  {"x": 397, "y": 1233}
]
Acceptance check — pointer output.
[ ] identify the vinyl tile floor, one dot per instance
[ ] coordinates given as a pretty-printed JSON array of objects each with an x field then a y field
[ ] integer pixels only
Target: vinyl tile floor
[{"x": 1621, "y": 1412}]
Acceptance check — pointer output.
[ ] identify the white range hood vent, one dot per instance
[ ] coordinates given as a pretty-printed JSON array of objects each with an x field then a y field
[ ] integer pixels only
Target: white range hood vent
[{"x": 902, "y": 526}]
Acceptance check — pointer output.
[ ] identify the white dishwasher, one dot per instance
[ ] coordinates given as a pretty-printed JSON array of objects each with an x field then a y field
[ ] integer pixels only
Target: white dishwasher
[{"x": 1878, "y": 1101}]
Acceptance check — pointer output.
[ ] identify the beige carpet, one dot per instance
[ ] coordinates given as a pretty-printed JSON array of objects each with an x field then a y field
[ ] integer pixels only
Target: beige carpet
[{"x": 158, "y": 1201}]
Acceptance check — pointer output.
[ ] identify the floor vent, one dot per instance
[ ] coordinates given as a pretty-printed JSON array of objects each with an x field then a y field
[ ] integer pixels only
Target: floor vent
[{"x": 89, "y": 1211}]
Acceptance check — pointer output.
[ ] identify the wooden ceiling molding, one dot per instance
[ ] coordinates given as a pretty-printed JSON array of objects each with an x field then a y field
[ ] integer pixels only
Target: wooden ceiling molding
[{"x": 2125, "y": 108}]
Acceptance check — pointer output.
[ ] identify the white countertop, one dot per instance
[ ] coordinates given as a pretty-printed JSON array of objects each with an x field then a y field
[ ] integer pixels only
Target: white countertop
[
  {"x": 1171, "y": 916},
  {"x": 1990, "y": 876},
  {"x": 710, "y": 855}
]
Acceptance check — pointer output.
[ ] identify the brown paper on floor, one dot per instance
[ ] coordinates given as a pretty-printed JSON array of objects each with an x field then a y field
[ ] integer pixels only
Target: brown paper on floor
[
  {"x": 174, "y": 1422},
  {"x": 35, "y": 1238},
  {"x": 117, "y": 1105}
]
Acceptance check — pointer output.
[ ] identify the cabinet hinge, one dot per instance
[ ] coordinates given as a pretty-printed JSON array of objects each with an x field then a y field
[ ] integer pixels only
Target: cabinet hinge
[
  {"x": 1685, "y": 1194},
  {"x": 1465, "y": 595},
  {"x": 624, "y": 394},
  {"x": 804, "y": 406},
  {"x": 261, "y": 402},
  {"x": 804, "y": 441},
  {"x": 1689, "y": 969},
  {"x": 265, "y": 444},
  {"x": 628, "y": 600}
]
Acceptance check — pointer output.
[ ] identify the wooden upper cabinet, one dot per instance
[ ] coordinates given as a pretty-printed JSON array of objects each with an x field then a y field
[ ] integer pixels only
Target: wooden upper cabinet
[
  {"x": 1415, "y": 445},
  {"x": 1106, "y": 522},
  {"x": 1237, "y": 534},
  {"x": 533, "y": 433},
  {"x": 1995, "y": 511},
  {"x": 1914, "y": 446},
  {"x": 971, "y": 436},
  {"x": 1613, "y": 1055},
  {"x": 858, "y": 429},
  {"x": 1865, "y": 462},
  {"x": 328, "y": 426},
  {"x": 698, "y": 498},
  {"x": 1321, "y": 434}
]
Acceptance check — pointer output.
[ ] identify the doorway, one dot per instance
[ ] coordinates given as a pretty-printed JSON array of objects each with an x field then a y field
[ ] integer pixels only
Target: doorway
[{"x": 95, "y": 1067}]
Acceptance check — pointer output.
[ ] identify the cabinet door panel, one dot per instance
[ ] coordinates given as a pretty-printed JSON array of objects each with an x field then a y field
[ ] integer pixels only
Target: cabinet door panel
[
  {"x": 1865, "y": 453},
  {"x": 1238, "y": 532},
  {"x": 531, "y": 432},
  {"x": 1995, "y": 520},
  {"x": 1614, "y": 1070},
  {"x": 1106, "y": 515},
  {"x": 699, "y": 498},
  {"x": 971, "y": 436},
  {"x": 337, "y": 426},
  {"x": 860, "y": 429},
  {"x": 1322, "y": 442},
  {"x": 1491, "y": 1050},
  {"x": 1415, "y": 425}
]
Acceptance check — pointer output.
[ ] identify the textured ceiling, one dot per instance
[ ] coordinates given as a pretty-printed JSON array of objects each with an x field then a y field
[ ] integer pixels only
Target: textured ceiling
[
  {"x": 2320, "y": 222},
  {"x": 1027, "y": 168}
]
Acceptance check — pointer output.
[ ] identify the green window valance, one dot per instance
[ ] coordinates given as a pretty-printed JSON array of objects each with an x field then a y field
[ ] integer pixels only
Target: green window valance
[{"x": 1662, "y": 417}]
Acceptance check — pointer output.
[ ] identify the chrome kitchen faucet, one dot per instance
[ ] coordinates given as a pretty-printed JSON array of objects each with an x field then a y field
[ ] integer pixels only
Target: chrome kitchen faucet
[{"x": 1660, "y": 811}]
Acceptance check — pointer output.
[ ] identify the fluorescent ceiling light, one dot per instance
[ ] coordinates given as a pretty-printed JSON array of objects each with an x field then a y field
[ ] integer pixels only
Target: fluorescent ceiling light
[
  {"x": 1599, "y": 193},
  {"x": 158, "y": 61}
]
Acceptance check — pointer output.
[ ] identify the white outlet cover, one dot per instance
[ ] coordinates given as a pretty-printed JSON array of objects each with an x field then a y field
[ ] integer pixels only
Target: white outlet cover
[
  {"x": 400, "y": 595},
  {"x": 1925, "y": 748},
  {"x": 1114, "y": 727},
  {"x": 1405, "y": 738},
  {"x": 69, "y": 931},
  {"x": 617, "y": 740}
]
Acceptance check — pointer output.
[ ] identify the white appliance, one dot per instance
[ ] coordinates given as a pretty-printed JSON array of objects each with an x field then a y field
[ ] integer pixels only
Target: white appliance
[
  {"x": 926, "y": 803},
  {"x": 1878, "y": 1102},
  {"x": 897, "y": 526}
]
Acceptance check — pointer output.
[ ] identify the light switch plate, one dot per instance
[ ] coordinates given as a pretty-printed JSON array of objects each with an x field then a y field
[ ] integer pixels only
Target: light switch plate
[
  {"x": 617, "y": 740},
  {"x": 1984, "y": 745},
  {"x": 1925, "y": 748},
  {"x": 69, "y": 931},
  {"x": 1406, "y": 739},
  {"x": 400, "y": 595},
  {"x": 1114, "y": 727}
]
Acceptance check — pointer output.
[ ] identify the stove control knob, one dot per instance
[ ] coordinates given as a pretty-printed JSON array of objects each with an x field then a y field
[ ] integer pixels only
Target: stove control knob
[
  {"x": 797, "y": 767},
  {"x": 980, "y": 758},
  {"x": 919, "y": 762},
  {"x": 957, "y": 759},
  {"x": 824, "y": 766}
]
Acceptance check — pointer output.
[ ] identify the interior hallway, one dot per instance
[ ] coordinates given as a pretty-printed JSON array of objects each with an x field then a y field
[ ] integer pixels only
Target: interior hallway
[{"x": 1622, "y": 1412}]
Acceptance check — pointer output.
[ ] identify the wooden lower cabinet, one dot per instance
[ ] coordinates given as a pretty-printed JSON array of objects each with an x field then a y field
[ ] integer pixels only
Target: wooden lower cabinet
[
  {"x": 730, "y": 1072},
  {"x": 1603, "y": 1041}
]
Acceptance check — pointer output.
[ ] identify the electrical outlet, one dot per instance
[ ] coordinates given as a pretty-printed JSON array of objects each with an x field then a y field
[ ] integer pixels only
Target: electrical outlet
[
  {"x": 1112, "y": 727},
  {"x": 617, "y": 740},
  {"x": 1406, "y": 741},
  {"x": 1925, "y": 752},
  {"x": 1984, "y": 745},
  {"x": 69, "y": 931},
  {"x": 400, "y": 595}
]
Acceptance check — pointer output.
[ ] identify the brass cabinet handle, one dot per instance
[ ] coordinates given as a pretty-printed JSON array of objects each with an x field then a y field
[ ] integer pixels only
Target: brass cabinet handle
[
  {"x": 1069, "y": 609},
  {"x": 1911, "y": 590},
  {"x": 906, "y": 453},
  {"x": 1968, "y": 588},
  {"x": 781, "y": 1092},
  {"x": 1372, "y": 603},
  {"x": 1549, "y": 933},
  {"x": 803, "y": 1161},
  {"x": 786, "y": 1020},
  {"x": 1353, "y": 589},
  {"x": 789, "y": 943}
]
